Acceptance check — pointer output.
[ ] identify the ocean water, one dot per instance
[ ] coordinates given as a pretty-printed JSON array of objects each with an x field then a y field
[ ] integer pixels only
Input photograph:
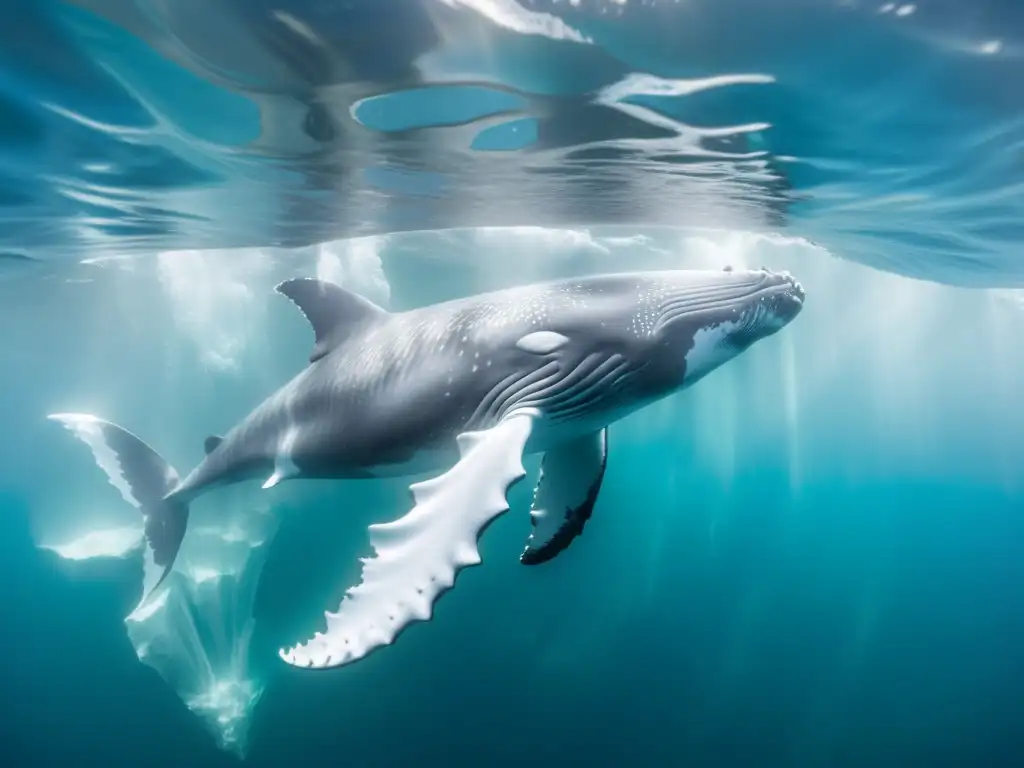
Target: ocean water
[{"x": 811, "y": 558}]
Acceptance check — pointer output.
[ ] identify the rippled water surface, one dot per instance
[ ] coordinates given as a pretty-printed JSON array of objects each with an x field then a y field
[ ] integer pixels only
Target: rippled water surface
[{"x": 892, "y": 133}]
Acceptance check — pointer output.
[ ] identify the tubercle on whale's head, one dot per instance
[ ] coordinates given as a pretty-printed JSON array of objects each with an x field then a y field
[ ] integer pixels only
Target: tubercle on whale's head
[{"x": 743, "y": 307}]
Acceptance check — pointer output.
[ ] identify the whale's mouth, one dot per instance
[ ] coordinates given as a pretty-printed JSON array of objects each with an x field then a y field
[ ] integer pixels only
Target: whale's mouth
[
  {"x": 782, "y": 297},
  {"x": 745, "y": 308},
  {"x": 773, "y": 305},
  {"x": 776, "y": 302}
]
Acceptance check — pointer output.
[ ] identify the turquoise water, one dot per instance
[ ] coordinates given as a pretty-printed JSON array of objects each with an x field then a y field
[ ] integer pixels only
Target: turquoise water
[{"x": 809, "y": 559}]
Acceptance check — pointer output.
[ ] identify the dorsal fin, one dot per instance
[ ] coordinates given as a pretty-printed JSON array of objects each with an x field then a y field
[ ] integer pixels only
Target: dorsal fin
[
  {"x": 211, "y": 443},
  {"x": 330, "y": 309}
]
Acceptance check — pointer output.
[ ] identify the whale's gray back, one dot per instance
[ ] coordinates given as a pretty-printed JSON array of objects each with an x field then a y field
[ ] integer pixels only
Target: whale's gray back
[{"x": 413, "y": 381}]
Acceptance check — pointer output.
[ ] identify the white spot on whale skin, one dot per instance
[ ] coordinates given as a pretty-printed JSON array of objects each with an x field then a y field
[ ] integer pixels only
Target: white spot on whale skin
[{"x": 542, "y": 342}]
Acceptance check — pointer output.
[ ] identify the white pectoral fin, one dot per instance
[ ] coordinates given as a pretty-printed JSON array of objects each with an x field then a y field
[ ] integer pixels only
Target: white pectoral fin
[
  {"x": 570, "y": 480},
  {"x": 418, "y": 556}
]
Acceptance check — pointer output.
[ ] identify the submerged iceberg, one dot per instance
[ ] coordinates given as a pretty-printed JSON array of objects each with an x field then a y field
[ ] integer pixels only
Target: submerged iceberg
[
  {"x": 196, "y": 633},
  {"x": 195, "y": 630},
  {"x": 102, "y": 542}
]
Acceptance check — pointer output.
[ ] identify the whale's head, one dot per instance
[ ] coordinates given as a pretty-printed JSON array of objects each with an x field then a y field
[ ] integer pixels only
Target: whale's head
[{"x": 708, "y": 318}]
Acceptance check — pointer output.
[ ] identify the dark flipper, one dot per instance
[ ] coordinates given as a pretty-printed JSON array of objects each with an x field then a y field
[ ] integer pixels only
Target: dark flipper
[
  {"x": 145, "y": 480},
  {"x": 570, "y": 480}
]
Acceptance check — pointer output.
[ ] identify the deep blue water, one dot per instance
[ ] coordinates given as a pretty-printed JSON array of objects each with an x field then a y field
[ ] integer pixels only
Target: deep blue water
[
  {"x": 812, "y": 558},
  {"x": 828, "y": 649}
]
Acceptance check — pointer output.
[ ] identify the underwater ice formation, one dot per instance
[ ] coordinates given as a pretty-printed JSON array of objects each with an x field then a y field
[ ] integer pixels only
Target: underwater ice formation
[
  {"x": 101, "y": 542},
  {"x": 213, "y": 301},
  {"x": 220, "y": 298},
  {"x": 195, "y": 630},
  {"x": 355, "y": 264}
]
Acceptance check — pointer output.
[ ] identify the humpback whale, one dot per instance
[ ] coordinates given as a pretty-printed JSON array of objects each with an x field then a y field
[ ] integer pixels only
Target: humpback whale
[{"x": 461, "y": 390}]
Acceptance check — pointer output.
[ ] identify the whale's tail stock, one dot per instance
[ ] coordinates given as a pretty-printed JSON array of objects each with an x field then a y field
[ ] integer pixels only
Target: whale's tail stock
[{"x": 145, "y": 480}]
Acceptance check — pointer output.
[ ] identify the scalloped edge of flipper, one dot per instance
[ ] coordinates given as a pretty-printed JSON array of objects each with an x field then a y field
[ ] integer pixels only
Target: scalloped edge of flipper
[{"x": 417, "y": 558}]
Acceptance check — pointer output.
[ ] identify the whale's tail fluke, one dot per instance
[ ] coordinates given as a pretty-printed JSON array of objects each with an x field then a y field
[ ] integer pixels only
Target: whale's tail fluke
[{"x": 145, "y": 481}]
